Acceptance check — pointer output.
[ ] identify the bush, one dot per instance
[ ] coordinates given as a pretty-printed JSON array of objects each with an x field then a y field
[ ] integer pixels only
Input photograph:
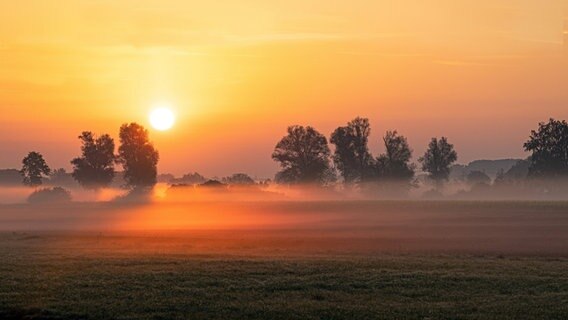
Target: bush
[{"x": 50, "y": 195}]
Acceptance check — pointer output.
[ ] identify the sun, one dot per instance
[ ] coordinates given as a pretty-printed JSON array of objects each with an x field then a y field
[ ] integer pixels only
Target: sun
[{"x": 162, "y": 118}]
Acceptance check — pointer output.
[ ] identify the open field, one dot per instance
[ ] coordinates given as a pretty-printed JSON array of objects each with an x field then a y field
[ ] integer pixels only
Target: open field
[{"x": 313, "y": 260}]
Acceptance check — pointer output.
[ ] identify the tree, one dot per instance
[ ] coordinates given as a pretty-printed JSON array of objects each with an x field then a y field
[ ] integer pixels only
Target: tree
[
  {"x": 437, "y": 160},
  {"x": 190, "y": 178},
  {"x": 138, "y": 156},
  {"x": 95, "y": 168},
  {"x": 303, "y": 155},
  {"x": 549, "y": 147},
  {"x": 34, "y": 168},
  {"x": 240, "y": 179},
  {"x": 394, "y": 164},
  {"x": 351, "y": 156}
]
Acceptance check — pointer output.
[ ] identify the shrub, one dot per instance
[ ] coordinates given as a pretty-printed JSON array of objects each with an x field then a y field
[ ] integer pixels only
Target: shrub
[{"x": 50, "y": 195}]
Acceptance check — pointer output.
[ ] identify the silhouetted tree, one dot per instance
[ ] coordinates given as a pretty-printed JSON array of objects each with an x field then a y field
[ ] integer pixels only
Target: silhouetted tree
[
  {"x": 549, "y": 147},
  {"x": 34, "y": 168},
  {"x": 351, "y": 156},
  {"x": 138, "y": 156},
  {"x": 303, "y": 155},
  {"x": 190, "y": 179},
  {"x": 479, "y": 177},
  {"x": 394, "y": 164},
  {"x": 437, "y": 160},
  {"x": 241, "y": 179},
  {"x": 95, "y": 168}
]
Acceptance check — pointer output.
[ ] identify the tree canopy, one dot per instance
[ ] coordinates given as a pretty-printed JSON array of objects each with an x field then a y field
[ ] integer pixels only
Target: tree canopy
[
  {"x": 240, "y": 179},
  {"x": 138, "y": 156},
  {"x": 549, "y": 149},
  {"x": 95, "y": 167},
  {"x": 351, "y": 156},
  {"x": 394, "y": 164},
  {"x": 437, "y": 159},
  {"x": 303, "y": 155},
  {"x": 34, "y": 168}
]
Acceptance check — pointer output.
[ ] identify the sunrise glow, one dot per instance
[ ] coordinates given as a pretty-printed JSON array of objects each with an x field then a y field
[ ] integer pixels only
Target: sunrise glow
[
  {"x": 298, "y": 159},
  {"x": 162, "y": 118}
]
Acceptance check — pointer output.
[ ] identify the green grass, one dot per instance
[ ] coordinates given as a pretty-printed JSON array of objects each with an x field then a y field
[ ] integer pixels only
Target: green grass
[{"x": 37, "y": 283}]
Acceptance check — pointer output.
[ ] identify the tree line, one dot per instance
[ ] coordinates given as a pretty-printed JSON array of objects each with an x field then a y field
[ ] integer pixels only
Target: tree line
[
  {"x": 95, "y": 167},
  {"x": 305, "y": 157}
]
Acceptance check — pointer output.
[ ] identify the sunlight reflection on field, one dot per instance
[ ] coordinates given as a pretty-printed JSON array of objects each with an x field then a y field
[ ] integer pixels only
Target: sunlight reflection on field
[{"x": 178, "y": 216}]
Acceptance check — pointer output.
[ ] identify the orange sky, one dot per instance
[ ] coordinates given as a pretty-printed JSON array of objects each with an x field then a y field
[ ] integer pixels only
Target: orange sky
[{"x": 237, "y": 73}]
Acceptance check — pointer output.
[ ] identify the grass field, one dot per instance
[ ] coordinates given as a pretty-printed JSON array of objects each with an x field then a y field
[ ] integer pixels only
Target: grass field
[{"x": 383, "y": 260}]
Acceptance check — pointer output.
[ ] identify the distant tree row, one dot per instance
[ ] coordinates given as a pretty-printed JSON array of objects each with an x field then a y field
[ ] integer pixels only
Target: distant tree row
[
  {"x": 305, "y": 157},
  {"x": 95, "y": 167}
]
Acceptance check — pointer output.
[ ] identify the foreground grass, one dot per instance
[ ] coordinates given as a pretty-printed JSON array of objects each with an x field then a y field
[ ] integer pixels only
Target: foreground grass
[
  {"x": 45, "y": 284},
  {"x": 330, "y": 260}
]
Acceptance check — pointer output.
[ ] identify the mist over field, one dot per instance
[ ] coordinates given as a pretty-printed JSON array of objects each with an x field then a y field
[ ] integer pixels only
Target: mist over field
[{"x": 323, "y": 220}]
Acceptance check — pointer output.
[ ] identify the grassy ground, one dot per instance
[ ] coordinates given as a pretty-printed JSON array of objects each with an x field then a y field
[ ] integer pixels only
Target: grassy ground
[
  {"x": 365, "y": 260},
  {"x": 41, "y": 281}
]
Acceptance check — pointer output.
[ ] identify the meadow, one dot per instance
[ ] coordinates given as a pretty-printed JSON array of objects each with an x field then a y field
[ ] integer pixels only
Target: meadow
[{"x": 293, "y": 260}]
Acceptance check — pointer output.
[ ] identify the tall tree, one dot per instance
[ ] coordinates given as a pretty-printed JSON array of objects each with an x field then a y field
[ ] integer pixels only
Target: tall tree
[
  {"x": 34, "y": 168},
  {"x": 94, "y": 169},
  {"x": 394, "y": 164},
  {"x": 303, "y": 155},
  {"x": 437, "y": 160},
  {"x": 138, "y": 156},
  {"x": 351, "y": 156},
  {"x": 549, "y": 147}
]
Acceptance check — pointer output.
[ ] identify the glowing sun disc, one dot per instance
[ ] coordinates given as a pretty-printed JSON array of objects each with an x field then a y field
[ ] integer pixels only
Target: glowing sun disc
[{"x": 162, "y": 119}]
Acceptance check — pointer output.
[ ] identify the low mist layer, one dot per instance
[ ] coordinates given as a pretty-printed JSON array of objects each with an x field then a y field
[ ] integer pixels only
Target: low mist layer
[{"x": 336, "y": 226}]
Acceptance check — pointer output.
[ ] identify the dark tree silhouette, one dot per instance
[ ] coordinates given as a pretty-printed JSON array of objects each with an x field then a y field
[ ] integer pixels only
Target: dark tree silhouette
[
  {"x": 438, "y": 159},
  {"x": 138, "y": 156},
  {"x": 241, "y": 179},
  {"x": 351, "y": 156},
  {"x": 95, "y": 168},
  {"x": 549, "y": 147},
  {"x": 303, "y": 155},
  {"x": 394, "y": 164},
  {"x": 34, "y": 168},
  {"x": 190, "y": 179}
]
